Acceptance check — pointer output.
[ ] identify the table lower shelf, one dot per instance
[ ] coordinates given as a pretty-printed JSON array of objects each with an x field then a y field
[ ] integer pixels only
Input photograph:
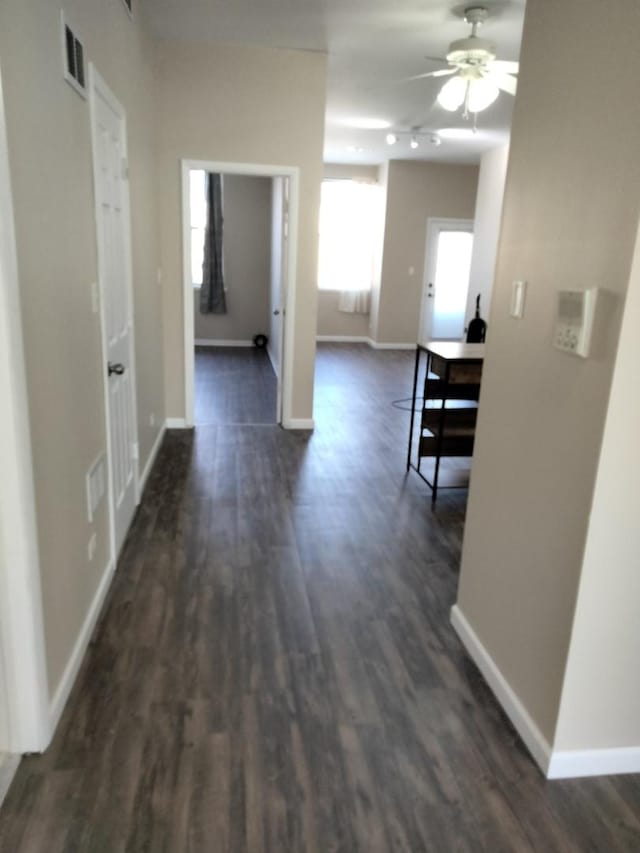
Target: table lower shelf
[{"x": 453, "y": 473}]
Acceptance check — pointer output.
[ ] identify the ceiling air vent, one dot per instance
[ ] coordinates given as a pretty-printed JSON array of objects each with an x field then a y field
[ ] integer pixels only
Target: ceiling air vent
[{"x": 73, "y": 59}]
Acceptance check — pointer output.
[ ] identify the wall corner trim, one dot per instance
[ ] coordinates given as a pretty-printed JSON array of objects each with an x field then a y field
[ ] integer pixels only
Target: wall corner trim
[
  {"x": 74, "y": 663},
  {"x": 151, "y": 459},
  {"x": 571, "y": 764},
  {"x": 533, "y": 738},
  {"x": 176, "y": 423},
  {"x": 298, "y": 423}
]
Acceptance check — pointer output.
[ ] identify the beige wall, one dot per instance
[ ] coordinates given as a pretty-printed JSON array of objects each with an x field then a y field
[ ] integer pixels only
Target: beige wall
[
  {"x": 247, "y": 262},
  {"x": 51, "y": 164},
  {"x": 601, "y": 694},
  {"x": 486, "y": 229},
  {"x": 243, "y": 105},
  {"x": 569, "y": 220},
  {"x": 415, "y": 191},
  {"x": 335, "y": 323}
]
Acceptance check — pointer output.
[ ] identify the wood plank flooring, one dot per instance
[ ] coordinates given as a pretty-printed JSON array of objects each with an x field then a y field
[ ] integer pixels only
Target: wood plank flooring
[
  {"x": 275, "y": 671},
  {"x": 234, "y": 385}
]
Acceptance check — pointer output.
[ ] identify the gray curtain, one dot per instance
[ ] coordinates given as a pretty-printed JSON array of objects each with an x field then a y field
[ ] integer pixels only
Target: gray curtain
[{"x": 212, "y": 297}]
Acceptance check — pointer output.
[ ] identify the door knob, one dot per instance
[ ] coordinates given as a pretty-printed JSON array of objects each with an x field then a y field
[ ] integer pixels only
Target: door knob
[
  {"x": 117, "y": 368},
  {"x": 276, "y": 313}
]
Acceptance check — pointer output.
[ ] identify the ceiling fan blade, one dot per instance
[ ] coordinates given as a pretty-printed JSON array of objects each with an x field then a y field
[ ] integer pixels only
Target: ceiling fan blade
[
  {"x": 504, "y": 66},
  {"x": 504, "y": 81},
  {"x": 443, "y": 72}
]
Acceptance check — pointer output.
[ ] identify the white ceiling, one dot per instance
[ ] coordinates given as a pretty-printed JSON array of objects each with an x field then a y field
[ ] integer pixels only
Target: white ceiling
[{"x": 372, "y": 45}]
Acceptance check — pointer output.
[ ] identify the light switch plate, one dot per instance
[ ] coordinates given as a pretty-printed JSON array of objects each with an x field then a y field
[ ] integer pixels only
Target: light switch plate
[{"x": 518, "y": 293}]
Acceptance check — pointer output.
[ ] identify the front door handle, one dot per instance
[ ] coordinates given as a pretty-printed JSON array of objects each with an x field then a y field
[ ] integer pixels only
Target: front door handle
[{"x": 117, "y": 368}]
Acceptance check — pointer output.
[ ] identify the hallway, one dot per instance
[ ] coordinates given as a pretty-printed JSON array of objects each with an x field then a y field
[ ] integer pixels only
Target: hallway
[
  {"x": 234, "y": 385},
  {"x": 275, "y": 671}
]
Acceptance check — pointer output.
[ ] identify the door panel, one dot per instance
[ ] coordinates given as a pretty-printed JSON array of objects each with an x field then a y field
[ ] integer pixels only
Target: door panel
[
  {"x": 113, "y": 241},
  {"x": 447, "y": 266}
]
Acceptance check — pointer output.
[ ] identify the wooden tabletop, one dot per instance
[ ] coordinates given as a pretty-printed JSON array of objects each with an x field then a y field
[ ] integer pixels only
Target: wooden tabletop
[{"x": 454, "y": 350}]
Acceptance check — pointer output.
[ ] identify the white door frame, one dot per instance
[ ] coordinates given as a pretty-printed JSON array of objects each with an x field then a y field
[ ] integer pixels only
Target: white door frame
[
  {"x": 97, "y": 84},
  {"x": 286, "y": 364},
  {"x": 436, "y": 223},
  {"x": 22, "y": 643}
]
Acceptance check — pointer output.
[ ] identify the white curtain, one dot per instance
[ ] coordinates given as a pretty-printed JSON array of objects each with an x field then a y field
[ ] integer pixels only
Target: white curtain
[
  {"x": 354, "y": 301},
  {"x": 350, "y": 214}
]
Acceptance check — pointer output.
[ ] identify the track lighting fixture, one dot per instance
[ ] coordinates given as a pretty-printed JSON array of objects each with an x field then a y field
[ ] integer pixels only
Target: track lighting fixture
[{"x": 415, "y": 137}]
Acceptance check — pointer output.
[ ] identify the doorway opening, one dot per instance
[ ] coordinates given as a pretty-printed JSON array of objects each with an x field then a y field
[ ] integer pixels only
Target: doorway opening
[
  {"x": 237, "y": 318},
  {"x": 447, "y": 265}
]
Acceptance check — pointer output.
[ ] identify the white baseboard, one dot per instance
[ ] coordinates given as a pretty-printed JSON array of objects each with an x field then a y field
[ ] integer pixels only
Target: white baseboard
[
  {"x": 362, "y": 339},
  {"x": 57, "y": 704},
  {"x": 570, "y": 764},
  {"x": 343, "y": 339},
  {"x": 9, "y": 762},
  {"x": 274, "y": 363},
  {"x": 176, "y": 423},
  {"x": 151, "y": 459},
  {"x": 298, "y": 423},
  {"x": 220, "y": 342},
  {"x": 378, "y": 345},
  {"x": 533, "y": 738}
]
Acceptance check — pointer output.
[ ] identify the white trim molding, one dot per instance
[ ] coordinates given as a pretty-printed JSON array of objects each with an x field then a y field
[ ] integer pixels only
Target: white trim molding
[
  {"x": 555, "y": 764},
  {"x": 533, "y": 738},
  {"x": 363, "y": 339},
  {"x": 221, "y": 342},
  {"x": 176, "y": 423},
  {"x": 298, "y": 423},
  {"x": 74, "y": 663},
  {"x": 570, "y": 764},
  {"x": 382, "y": 345},
  {"x": 343, "y": 339},
  {"x": 152, "y": 458}
]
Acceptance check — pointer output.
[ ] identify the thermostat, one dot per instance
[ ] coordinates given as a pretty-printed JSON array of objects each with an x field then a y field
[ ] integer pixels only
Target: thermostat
[{"x": 574, "y": 323}]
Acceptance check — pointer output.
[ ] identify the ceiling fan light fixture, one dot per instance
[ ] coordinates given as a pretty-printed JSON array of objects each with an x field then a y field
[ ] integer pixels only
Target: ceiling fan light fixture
[
  {"x": 452, "y": 94},
  {"x": 391, "y": 139},
  {"x": 482, "y": 93}
]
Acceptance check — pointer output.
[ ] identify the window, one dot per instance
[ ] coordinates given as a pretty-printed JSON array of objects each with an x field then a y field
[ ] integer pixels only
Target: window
[
  {"x": 349, "y": 235},
  {"x": 198, "y": 205}
]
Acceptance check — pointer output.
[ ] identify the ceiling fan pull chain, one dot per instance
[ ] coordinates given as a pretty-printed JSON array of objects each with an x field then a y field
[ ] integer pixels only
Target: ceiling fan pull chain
[{"x": 465, "y": 113}]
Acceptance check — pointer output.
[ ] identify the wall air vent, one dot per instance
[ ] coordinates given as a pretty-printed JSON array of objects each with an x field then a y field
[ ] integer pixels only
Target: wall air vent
[{"x": 73, "y": 58}]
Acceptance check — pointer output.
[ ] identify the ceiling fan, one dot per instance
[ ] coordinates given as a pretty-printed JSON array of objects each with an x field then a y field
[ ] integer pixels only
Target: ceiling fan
[{"x": 479, "y": 76}]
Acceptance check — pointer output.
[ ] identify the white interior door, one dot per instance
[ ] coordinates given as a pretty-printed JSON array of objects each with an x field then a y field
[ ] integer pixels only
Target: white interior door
[
  {"x": 279, "y": 274},
  {"x": 112, "y": 219},
  {"x": 446, "y": 284}
]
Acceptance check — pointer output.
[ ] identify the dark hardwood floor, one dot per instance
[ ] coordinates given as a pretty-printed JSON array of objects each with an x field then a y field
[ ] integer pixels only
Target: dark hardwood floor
[
  {"x": 275, "y": 671},
  {"x": 234, "y": 385}
]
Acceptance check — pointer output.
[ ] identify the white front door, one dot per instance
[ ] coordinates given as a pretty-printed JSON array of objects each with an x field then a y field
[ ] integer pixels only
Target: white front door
[
  {"x": 112, "y": 220},
  {"x": 446, "y": 283}
]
